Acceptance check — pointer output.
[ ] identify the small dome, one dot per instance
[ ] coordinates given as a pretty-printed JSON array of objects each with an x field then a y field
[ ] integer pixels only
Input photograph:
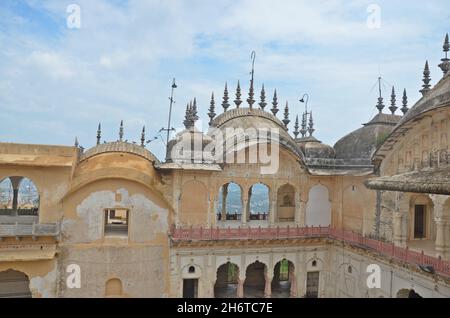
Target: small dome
[
  {"x": 194, "y": 138},
  {"x": 313, "y": 148}
]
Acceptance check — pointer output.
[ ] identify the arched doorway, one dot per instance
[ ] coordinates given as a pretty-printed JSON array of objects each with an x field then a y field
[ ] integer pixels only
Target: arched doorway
[
  {"x": 229, "y": 203},
  {"x": 284, "y": 281},
  {"x": 113, "y": 288},
  {"x": 286, "y": 203},
  {"x": 258, "y": 202},
  {"x": 255, "y": 280},
  {"x": 14, "y": 284},
  {"x": 227, "y": 280}
]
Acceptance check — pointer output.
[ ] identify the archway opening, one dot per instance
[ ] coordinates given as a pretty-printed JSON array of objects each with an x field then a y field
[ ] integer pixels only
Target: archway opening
[
  {"x": 14, "y": 284},
  {"x": 255, "y": 280},
  {"x": 229, "y": 205},
  {"x": 286, "y": 203},
  {"x": 258, "y": 202},
  {"x": 113, "y": 288},
  {"x": 283, "y": 282},
  {"x": 18, "y": 197},
  {"x": 227, "y": 280}
]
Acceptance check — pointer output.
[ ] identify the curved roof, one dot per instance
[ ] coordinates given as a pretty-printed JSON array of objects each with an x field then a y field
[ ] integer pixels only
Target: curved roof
[
  {"x": 246, "y": 118},
  {"x": 313, "y": 148},
  {"x": 362, "y": 143},
  {"x": 119, "y": 146},
  {"x": 437, "y": 97}
]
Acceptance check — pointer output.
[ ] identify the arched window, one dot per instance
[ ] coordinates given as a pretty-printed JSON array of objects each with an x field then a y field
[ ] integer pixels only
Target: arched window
[
  {"x": 318, "y": 208},
  {"x": 191, "y": 269},
  {"x": 229, "y": 205},
  {"x": 258, "y": 200},
  {"x": 286, "y": 203},
  {"x": 18, "y": 196}
]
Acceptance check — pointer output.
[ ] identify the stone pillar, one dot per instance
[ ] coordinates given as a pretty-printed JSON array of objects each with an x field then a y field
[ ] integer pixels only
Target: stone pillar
[
  {"x": 298, "y": 210},
  {"x": 398, "y": 236},
  {"x": 268, "y": 285},
  {"x": 245, "y": 212},
  {"x": 213, "y": 213},
  {"x": 302, "y": 221},
  {"x": 223, "y": 214},
  {"x": 293, "y": 281},
  {"x": 273, "y": 209},
  {"x": 15, "y": 182},
  {"x": 442, "y": 244},
  {"x": 240, "y": 287}
]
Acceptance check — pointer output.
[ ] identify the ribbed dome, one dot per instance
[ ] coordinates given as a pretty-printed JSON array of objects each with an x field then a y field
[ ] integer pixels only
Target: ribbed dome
[{"x": 313, "y": 148}]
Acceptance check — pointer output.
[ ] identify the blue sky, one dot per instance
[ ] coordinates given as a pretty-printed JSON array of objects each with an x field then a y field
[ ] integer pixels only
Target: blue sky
[{"x": 57, "y": 83}]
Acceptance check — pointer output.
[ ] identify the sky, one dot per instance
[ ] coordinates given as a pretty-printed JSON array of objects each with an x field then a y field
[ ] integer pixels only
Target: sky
[{"x": 57, "y": 81}]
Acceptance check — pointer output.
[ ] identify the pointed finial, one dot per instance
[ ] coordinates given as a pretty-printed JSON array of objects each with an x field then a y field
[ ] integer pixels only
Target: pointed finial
[
  {"x": 143, "y": 137},
  {"x": 251, "y": 91},
  {"x": 274, "y": 109},
  {"x": 303, "y": 130},
  {"x": 426, "y": 80},
  {"x": 380, "y": 104},
  {"x": 393, "y": 107},
  {"x": 76, "y": 142},
  {"x": 194, "y": 111},
  {"x": 263, "y": 103},
  {"x": 404, "y": 109},
  {"x": 445, "y": 65},
  {"x": 238, "y": 100},
  {"x": 121, "y": 131},
  {"x": 99, "y": 133},
  {"x": 225, "y": 103},
  {"x": 311, "y": 125},
  {"x": 186, "y": 121},
  {"x": 296, "y": 127},
  {"x": 286, "y": 120},
  {"x": 212, "y": 108}
]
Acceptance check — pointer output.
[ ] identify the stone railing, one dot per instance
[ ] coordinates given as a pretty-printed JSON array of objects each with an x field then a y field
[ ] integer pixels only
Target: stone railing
[
  {"x": 33, "y": 229},
  {"x": 388, "y": 250}
]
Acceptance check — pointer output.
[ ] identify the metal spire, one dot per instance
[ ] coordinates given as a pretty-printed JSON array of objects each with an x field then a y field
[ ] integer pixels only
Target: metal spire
[
  {"x": 99, "y": 133},
  {"x": 238, "y": 100},
  {"x": 194, "y": 111},
  {"x": 286, "y": 120},
  {"x": 251, "y": 93},
  {"x": 426, "y": 80},
  {"x": 445, "y": 65},
  {"x": 380, "y": 104},
  {"x": 404, "y": 109},
  {"x": 225, "y": 103},
  {"x": 143, "y": 137},
  {"x": 311, "y": 125},
  {"x": 263, "y": 103},
  {"x": 303, "y": 130},
  {"x": 76, "y": 142},
  {"x": 212, "y": 108},
  {"x": 296, "y": 126},
  {"x": 169, "y": 128},
  {"x": 121, "y": 131},
  {"x": 274, "y": 109},
  {"x": 393, "y": 107}
]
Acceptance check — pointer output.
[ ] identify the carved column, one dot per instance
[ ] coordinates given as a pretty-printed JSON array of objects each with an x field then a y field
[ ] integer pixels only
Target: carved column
[
  {"x": 223, "y": 213},
  {"x": 268, "y": 285},
  {"x": 442, "y": 245},
  {"x": 245, "y": 211},
  {"x": 400, "y": 220},
  {"x": 240, "y": 287},
  {"x": 293, "y": 281},
  {"x": 15, "y": 182},
  {"x": 298, "y": 209},
  {"x": 273, "y": 209}
]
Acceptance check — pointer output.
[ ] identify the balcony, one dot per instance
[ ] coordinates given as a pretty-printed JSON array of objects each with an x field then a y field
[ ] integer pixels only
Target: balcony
[
  {"x": 22, "y": 226},
  {"x": 385, "y": 249}
]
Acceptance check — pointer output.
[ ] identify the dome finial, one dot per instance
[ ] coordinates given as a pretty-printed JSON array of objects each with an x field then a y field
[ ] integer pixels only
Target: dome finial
[
  {"x": 274, "y": 109},
  {"x": 121, "y": 131},
  {"x": 238, "y": 100},
  {"x": 212, "y": 108},
  {"x": 311, "y": 125},
  {"x": 393, "y": 107},
  {"x": 404, "y": 109},
  {"x": 426, "y": 80},
  {"x": 303, "y": 130},
  {"x": 225, "y": 103},
  {"x": 76, "y": 142},
  {"x": 263, "y": 103},
  {"x": 194, "y": 111},
  {"x": 251, "y": 93},
  {"x": 143, "y": 137},
  {"x": 186, "y": 121},
  {"x": 380, "y": 104},
  {"x": 99, "y": 133},
  {"x": 445, "y": 65},
  {"x": 296, "y": 127},
  {"x": 286, "y": 120}
]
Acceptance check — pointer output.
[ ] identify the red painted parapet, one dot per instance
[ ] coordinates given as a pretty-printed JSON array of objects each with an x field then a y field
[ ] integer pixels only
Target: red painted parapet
[{"x": 274, "y": 233}]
